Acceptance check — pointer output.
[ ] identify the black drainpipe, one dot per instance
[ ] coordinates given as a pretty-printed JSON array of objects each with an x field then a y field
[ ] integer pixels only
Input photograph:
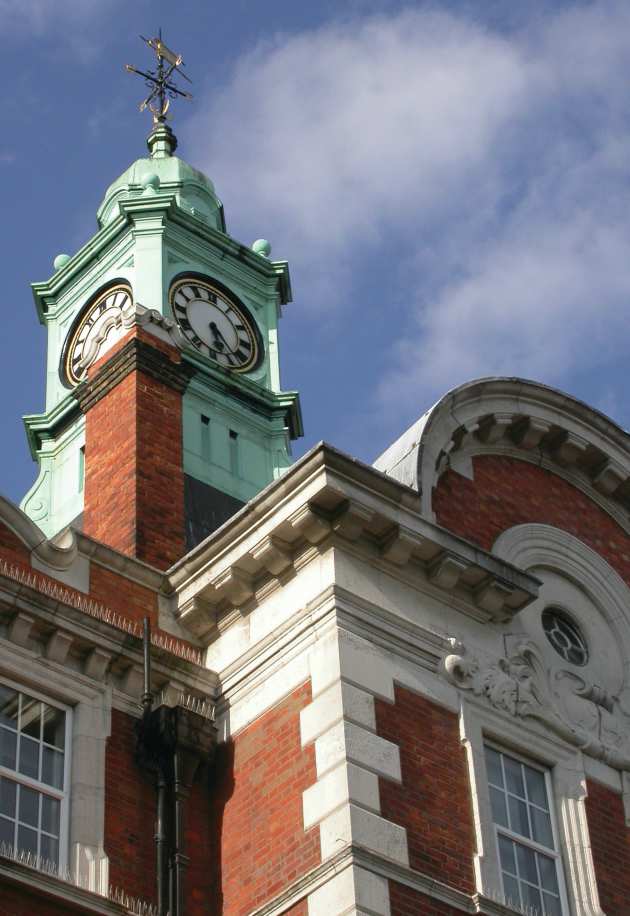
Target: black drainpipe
[{"x": 171, "y": 742}]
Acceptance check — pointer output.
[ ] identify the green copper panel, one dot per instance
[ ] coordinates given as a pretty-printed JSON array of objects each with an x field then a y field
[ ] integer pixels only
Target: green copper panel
[{"x": 159, "y": 220}]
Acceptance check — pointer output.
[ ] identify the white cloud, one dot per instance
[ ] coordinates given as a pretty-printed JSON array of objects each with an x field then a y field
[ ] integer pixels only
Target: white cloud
[{"x": 493, "y": 167}]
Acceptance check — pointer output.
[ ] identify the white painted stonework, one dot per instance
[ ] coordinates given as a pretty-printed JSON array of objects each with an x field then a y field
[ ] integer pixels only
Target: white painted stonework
[{"x": 346, "y": 675}]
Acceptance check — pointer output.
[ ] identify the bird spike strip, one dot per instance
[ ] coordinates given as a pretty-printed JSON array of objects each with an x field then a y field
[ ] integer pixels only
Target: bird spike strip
[
  {"x": 133, "y": 906},
  {"x": 198, "y": 705},
  {"x": 97, "y": 610}
]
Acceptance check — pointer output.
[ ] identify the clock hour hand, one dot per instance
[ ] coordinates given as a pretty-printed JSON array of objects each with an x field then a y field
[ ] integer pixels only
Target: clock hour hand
[{"x": 220, "y": 342}]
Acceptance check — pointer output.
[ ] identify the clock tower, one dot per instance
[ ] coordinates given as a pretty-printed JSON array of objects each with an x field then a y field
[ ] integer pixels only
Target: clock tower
[{"x": 164, "y": 411}]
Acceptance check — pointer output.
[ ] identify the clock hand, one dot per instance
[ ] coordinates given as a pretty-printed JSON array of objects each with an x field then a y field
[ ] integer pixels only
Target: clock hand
[{"x": 219, "y": 340}]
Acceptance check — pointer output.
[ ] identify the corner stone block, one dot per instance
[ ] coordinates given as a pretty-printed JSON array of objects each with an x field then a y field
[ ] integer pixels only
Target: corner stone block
[
  {"x": 346, "y": 741},
  {"x": 356, "y": 826},
  {"x": 346, "y": 783},
  {"x": 324, "y": 663},
  {"x": 351, "y": 891},
  {"x": 364, "y": 666},
  {"x": 341, "y": 701}
]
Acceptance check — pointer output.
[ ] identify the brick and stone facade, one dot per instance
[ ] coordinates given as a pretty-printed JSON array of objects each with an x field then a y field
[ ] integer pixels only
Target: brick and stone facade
[
  {"x": 360, "y": 640},
  {"x": 352, "y": 667}
]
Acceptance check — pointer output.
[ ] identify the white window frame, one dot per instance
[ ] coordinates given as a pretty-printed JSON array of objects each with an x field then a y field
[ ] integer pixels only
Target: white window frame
[
  {"x": 63, "y": 795},
  {"x": 480, "y": 725},
  {"x": 91, "y": 707},
  {"x": 499, "y": 830}
]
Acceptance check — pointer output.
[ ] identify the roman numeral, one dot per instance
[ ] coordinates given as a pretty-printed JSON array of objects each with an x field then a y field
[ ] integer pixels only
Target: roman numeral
[{"x": 185, "y": 324}]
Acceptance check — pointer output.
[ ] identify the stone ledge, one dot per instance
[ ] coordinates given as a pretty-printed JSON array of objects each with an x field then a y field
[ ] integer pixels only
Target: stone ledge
[
  {"x": 325, "y": 501},
  {"x": 134, "y": 356}
]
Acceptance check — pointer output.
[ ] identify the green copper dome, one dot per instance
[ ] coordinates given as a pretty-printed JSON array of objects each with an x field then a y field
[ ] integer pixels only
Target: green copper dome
[{"x": 162, "y": 172}]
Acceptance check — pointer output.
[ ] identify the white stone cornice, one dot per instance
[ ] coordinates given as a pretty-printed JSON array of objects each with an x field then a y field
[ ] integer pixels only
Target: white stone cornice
[
  {"x": 328, "y": 501},
  {"x": 66, "y": 638}
]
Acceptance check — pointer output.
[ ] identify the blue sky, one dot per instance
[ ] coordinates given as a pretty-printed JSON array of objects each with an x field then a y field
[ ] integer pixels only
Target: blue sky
[{"x": 450, "y": 183}]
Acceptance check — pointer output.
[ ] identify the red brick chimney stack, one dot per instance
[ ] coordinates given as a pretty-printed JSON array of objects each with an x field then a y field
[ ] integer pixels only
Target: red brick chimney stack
[{"x": 134, "y": 480}]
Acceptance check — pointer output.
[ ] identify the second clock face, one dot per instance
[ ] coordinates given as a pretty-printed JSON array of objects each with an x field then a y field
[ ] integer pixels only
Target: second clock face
[{"x": 216, "y": 324}]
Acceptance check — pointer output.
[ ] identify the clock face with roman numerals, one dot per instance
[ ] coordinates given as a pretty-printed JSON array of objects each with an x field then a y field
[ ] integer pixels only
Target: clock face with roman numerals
[
  {"x": 95, "y": 329},
  {"x": 216, "y": 323}
]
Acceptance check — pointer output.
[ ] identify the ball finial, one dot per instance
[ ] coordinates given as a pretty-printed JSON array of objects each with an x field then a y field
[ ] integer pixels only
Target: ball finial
[
  {"x": 262, "y": 247},
  {"x": 151, "y": 182},
  {"x": 60, "y": 261}
]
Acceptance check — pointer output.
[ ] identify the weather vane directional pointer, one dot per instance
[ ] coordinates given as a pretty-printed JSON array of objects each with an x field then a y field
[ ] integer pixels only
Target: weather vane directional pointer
[{"x": 159, "y": 80}]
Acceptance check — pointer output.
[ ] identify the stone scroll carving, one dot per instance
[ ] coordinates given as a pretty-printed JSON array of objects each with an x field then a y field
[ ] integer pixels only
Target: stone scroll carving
[{"x": 520, "y": 685}]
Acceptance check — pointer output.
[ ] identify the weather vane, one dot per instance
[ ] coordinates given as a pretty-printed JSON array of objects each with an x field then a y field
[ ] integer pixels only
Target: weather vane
[{"x": 159, "y": 80}]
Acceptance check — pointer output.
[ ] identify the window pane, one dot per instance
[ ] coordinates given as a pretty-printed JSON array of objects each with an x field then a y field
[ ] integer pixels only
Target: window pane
[
  {"x": 493, "y": 765},
  {"x": 30, "y": 717},
  {"x": 8, "y": 748},
  {"x": 518, "y": 816},
  {"x": 541, "y": 827},
  {"x": 51, "y": 808},
  {"x": 49, "y": 849},
  {"x": 548, "y": 875},
  {"x": 7, "y": 797},
  {"x": 54, "y": 726},
  {"x": 8, "y": 706},
  {"x": 513, "y": 776},
  {"x": 552, "y": 905},
  {"x": 27, "y": 840},
  {"x": 526, "y": 859},
  {"x": 7, "y": 830},
  {"x": 497, "y": 801},
  {"x": 510, "y": 890},
  {"x": 531, "y": 897},
  {"x": 536, "y": 789},
  {"x": 506, "y": 854},
  {"x": 29, "y": 757},
  {"x": 52, "y": 768},
  {"x": 29, "y": 806}
]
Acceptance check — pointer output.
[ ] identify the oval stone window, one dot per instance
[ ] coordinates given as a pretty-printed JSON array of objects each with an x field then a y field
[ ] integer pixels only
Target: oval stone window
[{"x": 565, "y": 636}]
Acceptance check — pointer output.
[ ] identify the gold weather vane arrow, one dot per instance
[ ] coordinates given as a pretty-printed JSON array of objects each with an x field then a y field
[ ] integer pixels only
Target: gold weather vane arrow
[{"x": 159, "y": 81}]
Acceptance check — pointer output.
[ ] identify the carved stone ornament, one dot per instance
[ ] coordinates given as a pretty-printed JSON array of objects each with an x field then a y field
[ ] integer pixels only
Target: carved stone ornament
[{"x": 519, "y": 684}]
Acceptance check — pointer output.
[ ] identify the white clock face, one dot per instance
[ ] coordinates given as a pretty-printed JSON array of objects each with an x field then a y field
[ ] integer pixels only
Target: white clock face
[
  {"x": 100, "y": 324},
  {"x": 215, "y": 324}
]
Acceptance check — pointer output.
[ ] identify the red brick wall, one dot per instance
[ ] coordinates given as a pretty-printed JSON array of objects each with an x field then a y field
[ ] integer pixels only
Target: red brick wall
[
  {"x": 12, "y": 548},
  {"x": 257, "y": 792},
  {"x": 507, "y": 492},
  {"x": 121, "y": 594},
  {"x": 406, "y": 902},
  {"x": 134, "y": 483},
  {"x": 130, "y": 803},
  {"x": 433, "y": 802},
  {"x": 610, "y": 843},
  {"x": 244, "y": 830},
  {"x": 129, "y": 814}
]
